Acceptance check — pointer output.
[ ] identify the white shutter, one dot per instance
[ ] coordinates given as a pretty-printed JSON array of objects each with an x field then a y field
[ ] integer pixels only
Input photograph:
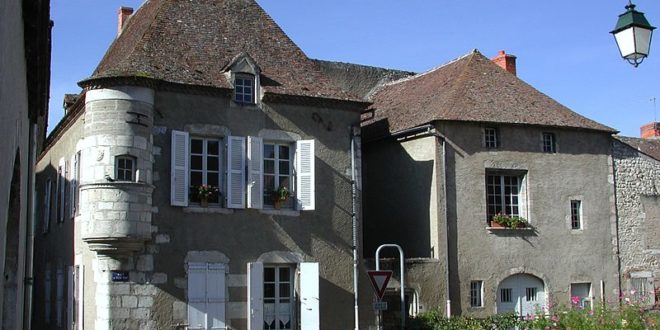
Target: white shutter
[
  {"x": 74, "y": 185},
  {"x": 70, "y": 303},
  {"x": 235, "y": 169},
  {"x": 305, "y": 174},
  {"x": 215, "y": 295},
  {"x": 79, "y": 279},
  {"x": 179, "y": 176},
  {"x": 46, "y": 215},
  {"x": 255, "y": 173},
  {"x": 197, "y": 296},
  {"x": 255, "y": 296},
  {"x": 61, "y": 184},
  {"x": 309, "y": 296}
]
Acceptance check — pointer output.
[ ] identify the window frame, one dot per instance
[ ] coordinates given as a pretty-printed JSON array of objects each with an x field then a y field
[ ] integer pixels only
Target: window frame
[
  {"x": 576, "y": 214},
  {"x": 549, "y": 142},
  {"x": 124, "y": 170},
  {"x": 267, "y": 191},
  {"x": 277, "y": 296},
  {"x": 204, "y": 170},
  {"x": 491, "y": 138},
  {"x": 477, "y": 293},
  {"x": 244, "y": 77},
  {"x": 506, "y": 202},
  {"x": 506, "y": 293}
]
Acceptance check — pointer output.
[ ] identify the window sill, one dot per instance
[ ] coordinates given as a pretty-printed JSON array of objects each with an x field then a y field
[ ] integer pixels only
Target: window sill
[
  {"x": 510, "y": 229},
  {"x": 210, "y": 209},
  {"x": 288, "y": 213}
]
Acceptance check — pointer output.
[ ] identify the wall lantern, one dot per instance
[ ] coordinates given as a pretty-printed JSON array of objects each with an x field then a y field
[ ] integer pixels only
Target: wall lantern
[{"x": 633, "y": 35}]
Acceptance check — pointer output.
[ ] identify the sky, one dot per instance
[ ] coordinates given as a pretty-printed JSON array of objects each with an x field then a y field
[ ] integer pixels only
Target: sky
[{"x": 564, "y": 48}]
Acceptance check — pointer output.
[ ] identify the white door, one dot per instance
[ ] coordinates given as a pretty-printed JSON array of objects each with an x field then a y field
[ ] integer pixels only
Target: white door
[{"x": 522, "y": 294}]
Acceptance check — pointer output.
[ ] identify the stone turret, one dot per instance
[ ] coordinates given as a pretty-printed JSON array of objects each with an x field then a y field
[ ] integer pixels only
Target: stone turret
[{"x": 116, "y": 187}]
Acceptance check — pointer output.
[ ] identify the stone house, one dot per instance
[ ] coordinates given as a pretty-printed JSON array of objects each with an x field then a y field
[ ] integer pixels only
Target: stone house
[
  {"x": 467, "y": 141},
  {"x": 204, "y": 178},
  {"x": 24, "y": 87},
  {"x": 637, "y": 178}
]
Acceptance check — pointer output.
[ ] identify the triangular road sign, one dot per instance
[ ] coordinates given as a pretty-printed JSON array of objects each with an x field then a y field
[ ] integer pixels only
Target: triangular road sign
[{"x": 379, "y": 280}]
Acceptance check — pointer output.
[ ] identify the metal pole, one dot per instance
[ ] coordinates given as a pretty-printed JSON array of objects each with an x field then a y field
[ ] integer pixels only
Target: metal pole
[
  {"x": 403, "y": 278},
  {"x": 354, "y": 227}
]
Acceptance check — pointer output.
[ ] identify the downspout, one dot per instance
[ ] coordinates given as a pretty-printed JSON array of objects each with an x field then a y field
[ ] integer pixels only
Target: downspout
[
  {"x": 30, "y": 229},
  {"x": 354, "y": 135},
  {"x": 616, "y": 222},
  {"x": 444, "y": 193}
]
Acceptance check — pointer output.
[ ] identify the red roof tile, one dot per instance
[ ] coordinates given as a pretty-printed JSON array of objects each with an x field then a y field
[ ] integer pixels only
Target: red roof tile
[{"x": 474, "y": 89}]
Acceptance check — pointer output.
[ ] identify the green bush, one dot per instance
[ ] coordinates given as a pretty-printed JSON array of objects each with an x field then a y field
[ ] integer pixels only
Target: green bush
[{"x": 561, "y": 318}]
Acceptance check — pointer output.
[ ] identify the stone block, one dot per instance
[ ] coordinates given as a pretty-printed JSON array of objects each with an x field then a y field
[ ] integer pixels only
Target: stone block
[
  {"x": 145, "y": 301},
  {"x": 120, "y": 313},
  {"x": 144, "y": 290},
  {"x": 162, "y": 239},
  {"x": 129, "y": 301},
  {"x": 120, "y": 289},
  {"x": 140, "y": 314},
  {"x": 139, "y": 142},
  {"x": 179, "y": 311},
  {"x": 159, "y": 278},
  {"x": 145, "y": 263},
  {"x": 180, "y": 282}
]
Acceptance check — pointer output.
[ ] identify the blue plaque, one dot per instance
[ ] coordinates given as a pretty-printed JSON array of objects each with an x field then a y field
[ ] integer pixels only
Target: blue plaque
[{"x": 119, "y": 276}]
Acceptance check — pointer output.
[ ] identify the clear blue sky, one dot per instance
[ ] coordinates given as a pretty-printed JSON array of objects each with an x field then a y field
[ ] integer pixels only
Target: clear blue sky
[{"x": 564, "y": 48}]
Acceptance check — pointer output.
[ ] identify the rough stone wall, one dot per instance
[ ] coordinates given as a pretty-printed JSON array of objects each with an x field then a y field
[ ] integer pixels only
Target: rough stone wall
[{"x": 637, "y": 179}]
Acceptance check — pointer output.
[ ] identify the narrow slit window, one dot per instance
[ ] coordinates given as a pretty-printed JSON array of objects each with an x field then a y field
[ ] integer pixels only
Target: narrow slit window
[
  {"x": 476, "y": 293},
  {"x": 549, "y": 143},
  {"x": 491, "y": 140},
  {"x": 576, "y": 214}
]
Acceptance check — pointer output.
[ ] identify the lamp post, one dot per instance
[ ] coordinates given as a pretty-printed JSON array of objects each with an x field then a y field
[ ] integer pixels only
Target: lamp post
[{"x": 633, "y": 35}]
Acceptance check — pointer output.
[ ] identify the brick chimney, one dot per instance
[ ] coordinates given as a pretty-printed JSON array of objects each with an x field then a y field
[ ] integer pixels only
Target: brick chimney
[
  {"x": 122, "y": 17},
  {"x": 650, "y": 131},
  {"x": 505, "y": 61}
]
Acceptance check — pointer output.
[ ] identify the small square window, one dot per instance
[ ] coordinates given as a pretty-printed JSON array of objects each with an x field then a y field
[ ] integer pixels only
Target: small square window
[
  {"x": 244, "y": 87},
  {"x": 576, "y": 214},
  {"x": 491, "y": 139},
  {"x": 476, "y": 293},
  {"x": 505, "y": 295},
  {"x": 125, "y": 167},
  {"x": 549, "y": 143}
]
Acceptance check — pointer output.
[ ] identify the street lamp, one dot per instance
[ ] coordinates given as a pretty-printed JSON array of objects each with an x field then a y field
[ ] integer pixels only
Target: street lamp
[{"x": 633, "y": 35}]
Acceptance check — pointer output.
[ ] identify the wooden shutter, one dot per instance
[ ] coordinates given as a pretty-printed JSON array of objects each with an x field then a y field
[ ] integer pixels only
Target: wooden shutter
[
  {"x": 255, "y": 173},
  {"x": 47, "y": 211},
  {"x": 309, "y": 295},
  {"x": 179, "y": 175},
  {"x": 197, "y": 295},
  {"x": 305, "y": 175},
  {"x": 235, "y": 169},
  {"x": 255, "y": 296},
  {"x": 215, "y": 296}
]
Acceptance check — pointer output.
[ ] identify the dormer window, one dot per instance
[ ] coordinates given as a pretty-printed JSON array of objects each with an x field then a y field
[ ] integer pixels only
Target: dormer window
[{"x": 244, "y": 88}]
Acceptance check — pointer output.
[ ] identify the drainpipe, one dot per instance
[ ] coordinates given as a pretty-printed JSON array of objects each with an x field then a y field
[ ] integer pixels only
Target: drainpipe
[
  {"x": 30, "y": 229},
  {"x": 616, "y": 214},
  {"x": 354, "y": 136},
  {"x": 444, "y": 191}
]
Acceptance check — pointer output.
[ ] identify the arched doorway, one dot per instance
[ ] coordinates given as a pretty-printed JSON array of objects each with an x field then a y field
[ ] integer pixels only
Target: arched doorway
[
  {"x": 522, "y": 294},
  {"x": 10, "y": 281}
]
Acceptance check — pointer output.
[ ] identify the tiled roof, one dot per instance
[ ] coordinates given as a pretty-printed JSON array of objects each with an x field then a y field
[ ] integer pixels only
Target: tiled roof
[
  {"x": 192, "y": 42},
  {"x": 650, "y": 147},
  {"x": 473, "y": 89}
]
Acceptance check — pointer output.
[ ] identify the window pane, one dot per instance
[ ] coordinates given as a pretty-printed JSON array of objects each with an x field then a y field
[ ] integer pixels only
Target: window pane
[
  {"x": 212, "y": 163},
  {"x": 269, "y": 151},
  {"x": 269, "y": 274},
  {"x": 284, "y": 167},
  {"x": 269, "y": 166},
  {"x": 196, "y": 146},
  {"x": 284, "y": 290},
  {"x": 196, "y": 162},
  {"x": 284, "y": 274},
  {"x": 213, "y": 147},
  {"x": 269, "y": 290},
  {"x": 284, "y": 152},
  {"x": 195, "y": 178},
  {"x": 213, "y": 179}
]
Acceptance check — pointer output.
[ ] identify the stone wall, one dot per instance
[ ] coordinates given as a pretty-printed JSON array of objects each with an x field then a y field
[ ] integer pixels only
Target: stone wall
[{"x": 637, "y": 179}]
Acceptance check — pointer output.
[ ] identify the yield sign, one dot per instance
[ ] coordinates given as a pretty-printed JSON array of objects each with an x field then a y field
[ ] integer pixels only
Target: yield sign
[{"x": 379, "y": 280}]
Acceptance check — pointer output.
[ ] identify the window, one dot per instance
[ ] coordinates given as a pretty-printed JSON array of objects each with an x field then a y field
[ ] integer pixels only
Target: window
[
  {"x": 576, "y": 214},
  {"x": 530, "y": 294},
  {"x": 491, "y": 140},
  {"x": 268, "y": 166},
  {"x": 278, "y": 297},
  {"x": 244, "y": 88},
  {"x": 47, "y": 200},
  {"x": 549, "y": 144},
  {"x": 581, "y": 295},
  {"x": 505, "y": 295},
  {"x": 476, "y": 293},
  {"x": 504, "y": 194},
  {"x": 283, "y": 296},
  {"x": 206, "y": 295},
  {"x": 205, "y": 168},
  {"x": 277, "y": 172},
  {"x": 124, "y": 168}
]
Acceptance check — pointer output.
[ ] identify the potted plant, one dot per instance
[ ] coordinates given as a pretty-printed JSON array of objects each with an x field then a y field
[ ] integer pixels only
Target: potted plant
[
  {"x": 280, "y": 195},
  {"x": 505, "y": 221},
  {"x": 204, "y": 193}
]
